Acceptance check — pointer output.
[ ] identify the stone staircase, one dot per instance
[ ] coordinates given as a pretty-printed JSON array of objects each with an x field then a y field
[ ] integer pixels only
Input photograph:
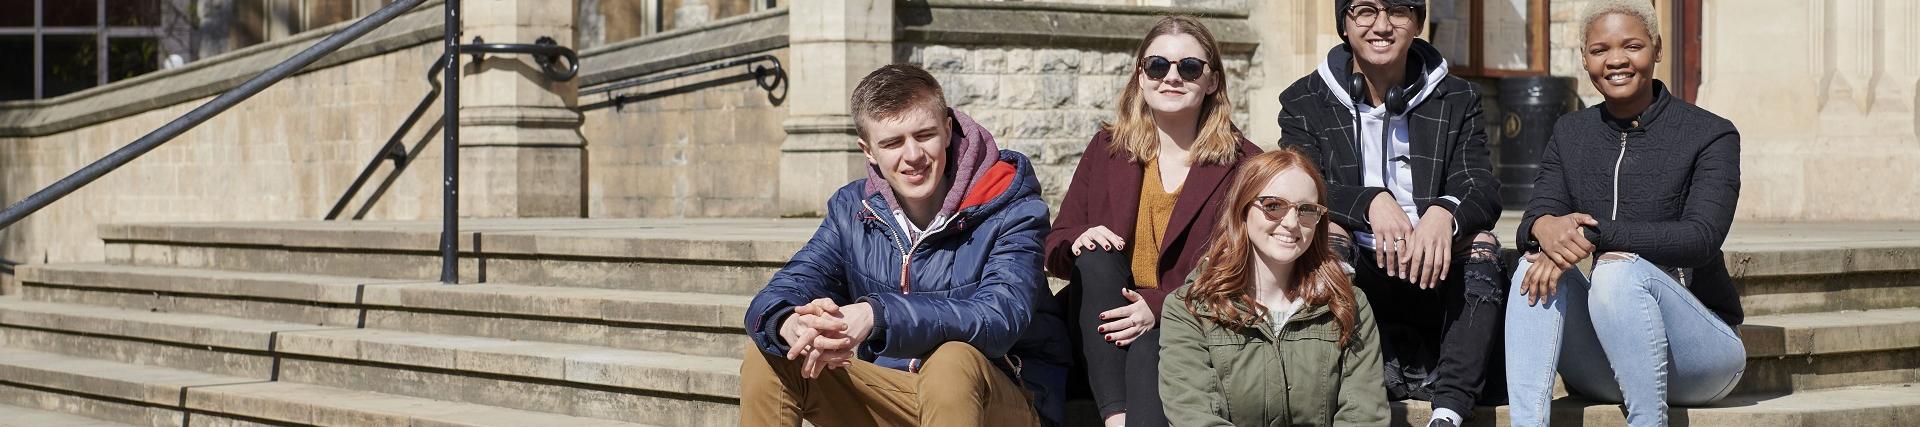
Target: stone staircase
[{"x": 638, "y": 322}]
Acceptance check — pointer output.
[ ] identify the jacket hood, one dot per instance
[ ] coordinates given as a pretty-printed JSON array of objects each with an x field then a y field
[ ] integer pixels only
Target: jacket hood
[
  {"x": 970, "y": 154},
  {"x": 1423, "y": 60}
]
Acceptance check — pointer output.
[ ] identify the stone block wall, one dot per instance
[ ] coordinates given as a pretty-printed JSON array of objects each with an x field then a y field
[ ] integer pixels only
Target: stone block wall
[
  {"x": 699, "y": 146},
  {"x": 286, "y": 154},
  {"x": 1048, "y": 102}
]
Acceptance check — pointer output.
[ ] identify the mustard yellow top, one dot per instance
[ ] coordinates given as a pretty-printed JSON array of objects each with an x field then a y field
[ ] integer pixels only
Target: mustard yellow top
[{"x": 1156, "y": 207}]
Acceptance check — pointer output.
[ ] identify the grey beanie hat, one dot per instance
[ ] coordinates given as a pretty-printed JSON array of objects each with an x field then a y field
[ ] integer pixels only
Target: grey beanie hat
[{"x": 1340, "y": 13}]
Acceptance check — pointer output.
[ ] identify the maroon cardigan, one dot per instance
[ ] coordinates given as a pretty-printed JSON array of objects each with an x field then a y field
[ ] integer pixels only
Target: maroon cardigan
[{"x": 1106, "y": 191}]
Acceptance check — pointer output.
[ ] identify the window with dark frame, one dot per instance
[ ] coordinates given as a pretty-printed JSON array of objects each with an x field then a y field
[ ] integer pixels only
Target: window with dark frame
[{"x": 56, "y": 47}]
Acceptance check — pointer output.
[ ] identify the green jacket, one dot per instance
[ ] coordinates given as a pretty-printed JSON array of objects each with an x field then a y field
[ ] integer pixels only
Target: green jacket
[{"x": 1212, "y": 376}]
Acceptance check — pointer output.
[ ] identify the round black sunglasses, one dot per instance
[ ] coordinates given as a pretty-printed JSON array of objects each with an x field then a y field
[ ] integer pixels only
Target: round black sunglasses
[{"x": 1157, "y": 66}]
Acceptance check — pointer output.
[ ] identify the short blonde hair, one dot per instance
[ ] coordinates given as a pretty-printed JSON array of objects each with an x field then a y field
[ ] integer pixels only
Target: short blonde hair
[{"x": 1642, "y": 9}]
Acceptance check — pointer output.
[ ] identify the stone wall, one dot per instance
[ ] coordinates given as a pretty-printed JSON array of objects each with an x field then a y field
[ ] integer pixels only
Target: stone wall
[
  {"x": 286, "y": 154},
  {"x": 1047, "y": 103},
  {"x": 702, "y": 145},
  {"x": 696, "y": 146}
]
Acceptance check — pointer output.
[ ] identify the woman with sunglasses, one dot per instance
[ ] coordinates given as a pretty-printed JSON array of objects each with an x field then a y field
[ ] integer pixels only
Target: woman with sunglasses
[
  {"x": 1269, "y": 331},
  {"x": 1139, "y": 210},
  {"x": 1645, "y": 184}
]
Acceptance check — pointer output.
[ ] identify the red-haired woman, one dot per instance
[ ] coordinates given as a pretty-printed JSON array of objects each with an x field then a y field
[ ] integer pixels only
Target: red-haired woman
[
  {"x": 1140, "y": 208},
  {"x": 1269, "y": 331}
]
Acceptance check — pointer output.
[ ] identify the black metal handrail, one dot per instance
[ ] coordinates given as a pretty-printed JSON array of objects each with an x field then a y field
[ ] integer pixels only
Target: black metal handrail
[
  {"x": 546, "y": 54},
  {"x": 393, "y": 150},
  {"x": 544, "y": 50},
  {"x": 767, "y": 77},
  {"x": 63, "y": 187}
]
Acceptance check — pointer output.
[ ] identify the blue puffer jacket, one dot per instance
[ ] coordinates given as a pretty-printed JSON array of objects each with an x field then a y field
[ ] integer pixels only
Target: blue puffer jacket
[{"x": 978, "y": 279}]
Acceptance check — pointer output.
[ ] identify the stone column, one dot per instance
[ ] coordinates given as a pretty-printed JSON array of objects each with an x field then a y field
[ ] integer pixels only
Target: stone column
[
  {"x": 1823, "y": 93},
  {"x": 521, "y": 150},
  {"x": 833, "y": 44}
]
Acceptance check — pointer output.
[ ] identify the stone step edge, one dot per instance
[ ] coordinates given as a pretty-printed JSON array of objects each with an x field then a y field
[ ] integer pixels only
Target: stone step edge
[
  {"x": 15, "y": 416},
  {"x": 618, "y": 306},
  {"x": 1835, "y": 406},
  {"x": 534, "y": 243},
  {"x": 1829, "y": 333},
  {"x": 308, "y": 288},
  {"x": 1764, "y": 261},
  {"x": 658, "y": 373},
  {"x": 251, "y": 399}
]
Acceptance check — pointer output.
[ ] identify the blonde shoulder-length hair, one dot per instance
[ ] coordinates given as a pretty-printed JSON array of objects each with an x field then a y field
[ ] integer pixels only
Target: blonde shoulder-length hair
[{"x": 1134, "y": 133}]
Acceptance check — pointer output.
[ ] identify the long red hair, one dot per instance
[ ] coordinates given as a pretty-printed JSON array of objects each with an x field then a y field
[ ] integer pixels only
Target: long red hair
[{"x": 1224, "y": 282}]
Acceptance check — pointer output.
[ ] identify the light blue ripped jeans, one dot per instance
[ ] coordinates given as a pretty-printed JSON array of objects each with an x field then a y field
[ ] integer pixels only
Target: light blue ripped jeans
[{"x": 1609, "y": 338}]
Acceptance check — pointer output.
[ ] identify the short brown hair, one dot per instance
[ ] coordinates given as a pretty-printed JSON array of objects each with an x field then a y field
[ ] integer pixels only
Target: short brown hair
[{"x": 887, "y": 92}]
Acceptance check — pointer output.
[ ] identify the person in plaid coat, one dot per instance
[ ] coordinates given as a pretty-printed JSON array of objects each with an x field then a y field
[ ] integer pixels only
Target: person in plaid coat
[{"x": 1409, "y": 180}]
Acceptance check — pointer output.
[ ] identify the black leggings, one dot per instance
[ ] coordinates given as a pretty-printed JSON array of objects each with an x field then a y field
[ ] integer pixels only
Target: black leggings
[{"x": 1122, "y": 378}]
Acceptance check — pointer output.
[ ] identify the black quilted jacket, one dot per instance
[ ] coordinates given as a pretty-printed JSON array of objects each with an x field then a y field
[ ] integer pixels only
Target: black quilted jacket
[{"x": 1663, "y": 188}]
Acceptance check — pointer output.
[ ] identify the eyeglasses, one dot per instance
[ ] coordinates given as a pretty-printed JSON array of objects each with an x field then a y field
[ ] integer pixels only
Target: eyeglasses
[
  {"x": 1156, "y": 67},
  {"x": 1276, "y": 209},
  {"x": 1366, "y": 15}
]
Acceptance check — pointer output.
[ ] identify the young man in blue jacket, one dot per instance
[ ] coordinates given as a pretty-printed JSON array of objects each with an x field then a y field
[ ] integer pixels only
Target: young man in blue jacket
[{"x": 920, "y": 301}]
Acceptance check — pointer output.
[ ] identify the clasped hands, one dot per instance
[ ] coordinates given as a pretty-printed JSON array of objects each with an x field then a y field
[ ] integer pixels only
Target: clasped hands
[
  {"x": 1421, "y": 254},
  {"x": 827, "y": 334},
  {"x": 1563, "y": 242}
]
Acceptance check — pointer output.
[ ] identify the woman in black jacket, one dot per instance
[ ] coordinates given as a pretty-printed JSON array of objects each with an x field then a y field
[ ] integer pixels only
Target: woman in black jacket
[{"x": 1648, "y": 184}]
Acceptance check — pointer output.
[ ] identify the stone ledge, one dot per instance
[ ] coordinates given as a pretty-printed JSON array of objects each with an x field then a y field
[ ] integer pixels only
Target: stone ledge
[
  {"x": 190, "y": 329},
  {"x": 13, "y": 416},
  {"x": 726, "y": 38},
  {"x": 1883, "y": 405},
  {"x": 1056, "y": 25},
  {"x": 654, "y": 308},
  {"x": 216, "y": 283},
  {"x": 208, "y": 77},
  {"x": 104, "y": 378},
  {"x": 257, "y": 399},
  {"x": 759, "y": 241},
  {"x": 643, "y": 370}
]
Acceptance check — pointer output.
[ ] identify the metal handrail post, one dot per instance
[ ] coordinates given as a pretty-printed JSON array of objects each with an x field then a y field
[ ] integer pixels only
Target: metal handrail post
[
  {"x": 201, "y": 114},
  {"x": 450, "y": 143}
]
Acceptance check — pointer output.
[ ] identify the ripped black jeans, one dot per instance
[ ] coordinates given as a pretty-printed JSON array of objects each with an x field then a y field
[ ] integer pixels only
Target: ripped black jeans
[{"x": 1440, "y": 345}]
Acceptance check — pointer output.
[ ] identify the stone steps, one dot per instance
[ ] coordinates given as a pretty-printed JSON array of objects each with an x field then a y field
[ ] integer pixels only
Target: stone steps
[
  {"x": 640, "y": 321},
  {"x": 591, "y": 381},
  {"x": 1878, "y": 405},
  {"x": 1823, "y": 268},
  {"x": 1788, "y": 353},
  {"x": 14, "y": 416},
  {"x": 701, "y": 256},
  {"x": 162, "y": 396},
  {"x": 701, "y": 324}
]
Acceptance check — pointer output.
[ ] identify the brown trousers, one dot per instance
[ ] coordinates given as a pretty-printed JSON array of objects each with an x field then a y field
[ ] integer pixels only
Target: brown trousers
[{"x": 957, "y": 386}]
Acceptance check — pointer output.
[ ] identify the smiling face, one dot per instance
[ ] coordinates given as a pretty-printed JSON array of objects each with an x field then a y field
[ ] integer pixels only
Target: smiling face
[
  {"x": 1382, "y": 43},
  {"x": 910, "y": 149},
  {"x": 1620, "y": 53},
  {"x": 1285, "y": 240},
  {"x": 1174, "y": 93}
]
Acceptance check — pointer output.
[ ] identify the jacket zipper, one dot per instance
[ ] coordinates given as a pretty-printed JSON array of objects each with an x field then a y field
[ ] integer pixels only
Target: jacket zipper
[
  {"x": 906, "y": 255},
  {"x": 1616, "y": 177}
]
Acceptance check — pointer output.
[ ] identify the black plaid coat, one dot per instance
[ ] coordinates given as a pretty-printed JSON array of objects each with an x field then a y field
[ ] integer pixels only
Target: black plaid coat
[{"x": 1448, "y": 153}]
